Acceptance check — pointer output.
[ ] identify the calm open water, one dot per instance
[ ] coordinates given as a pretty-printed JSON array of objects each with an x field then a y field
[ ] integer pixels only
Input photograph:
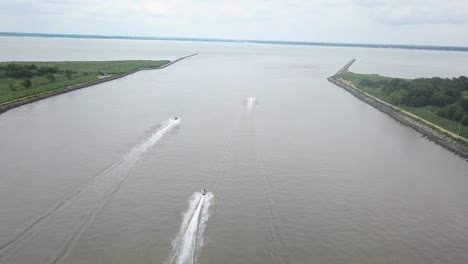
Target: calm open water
[{"x": 305, "y": 174}]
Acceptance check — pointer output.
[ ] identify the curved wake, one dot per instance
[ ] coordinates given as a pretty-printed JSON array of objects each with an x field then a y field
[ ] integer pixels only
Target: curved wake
[
  {"x": 51, "y": 236},
  {"x": 188, "y": 243}
]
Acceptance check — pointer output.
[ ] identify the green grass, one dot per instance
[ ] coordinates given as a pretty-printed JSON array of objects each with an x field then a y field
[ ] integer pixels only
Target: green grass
[
  {"x": 356, "y": 77},
  {"x": 83, "y": 71},
  {"x": 375, "y": 91},
  {"x": 428, "y": 113}
]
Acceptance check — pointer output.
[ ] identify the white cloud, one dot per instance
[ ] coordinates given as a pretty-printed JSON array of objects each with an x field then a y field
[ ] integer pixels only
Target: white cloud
[
  {"x": 417, "y": 11},
  {"x": 376, "y": 21}
]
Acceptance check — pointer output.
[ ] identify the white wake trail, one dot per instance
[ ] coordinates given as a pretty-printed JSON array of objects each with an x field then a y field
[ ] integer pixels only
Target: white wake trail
[
  {"x": 250, "y": 103},
  {"x": 188, "y": 243},
  {"x": 139, "y": 150},
  {"x": 53, "y": 235}
]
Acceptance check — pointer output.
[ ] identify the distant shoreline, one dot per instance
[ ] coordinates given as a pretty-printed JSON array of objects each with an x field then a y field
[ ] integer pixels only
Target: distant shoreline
[{"x": 302, "y": 43}]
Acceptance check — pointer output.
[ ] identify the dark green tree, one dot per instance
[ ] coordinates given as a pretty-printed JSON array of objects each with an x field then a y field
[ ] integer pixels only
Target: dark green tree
[
  {"x": 438, "y": 99},
  {"x": 451, "y": 109},
  {"x": 465, "y": 120},
  {"x": 20, "y": 73},
  {"x": 27, "y": 83},
  {"x": 443, "y": 113},
  {"x": 44, "y": 70},
  {"x": 51, "y": 77},
  {"x": 69, "y": 74},
  {"x": 367, "y": 82},
  {"x": 459, "y": 114},
  {"x": 12, "y": 87},
  {"x": 398, "y": 97},
  {"x": 464, "y": 104}
]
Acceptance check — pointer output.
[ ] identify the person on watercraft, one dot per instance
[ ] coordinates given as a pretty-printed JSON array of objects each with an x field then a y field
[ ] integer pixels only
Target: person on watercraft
[
  {"x": 204, "y": 191},
  {"x": 176, "y": 118}
]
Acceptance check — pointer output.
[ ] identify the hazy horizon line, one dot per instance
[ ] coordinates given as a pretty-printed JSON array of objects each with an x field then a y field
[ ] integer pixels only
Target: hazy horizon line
[{"x": 278, "y": 42}]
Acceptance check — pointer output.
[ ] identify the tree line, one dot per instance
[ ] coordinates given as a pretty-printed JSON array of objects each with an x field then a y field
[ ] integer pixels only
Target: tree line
[
  {"x": 445, "y": 93},
  {"x": 26, "y": 72}
]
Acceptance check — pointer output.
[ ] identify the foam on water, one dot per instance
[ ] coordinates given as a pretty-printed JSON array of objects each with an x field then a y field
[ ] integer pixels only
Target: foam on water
[
  {"x": 188, "y": 243},
  {"x": 250, "y": 103}
]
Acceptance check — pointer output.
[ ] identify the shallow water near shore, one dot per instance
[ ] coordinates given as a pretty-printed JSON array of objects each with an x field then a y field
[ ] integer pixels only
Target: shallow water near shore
[{"x": 306, "y": 174}]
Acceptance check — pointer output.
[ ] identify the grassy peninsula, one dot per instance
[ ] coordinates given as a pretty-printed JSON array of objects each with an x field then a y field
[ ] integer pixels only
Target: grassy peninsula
[
  {"x": 21, "y": 80},
  {"x": 441, "y": 101}
]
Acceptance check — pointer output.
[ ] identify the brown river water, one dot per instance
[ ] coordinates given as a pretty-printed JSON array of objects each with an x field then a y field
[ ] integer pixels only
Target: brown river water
[{"x": 303, "y": 173}]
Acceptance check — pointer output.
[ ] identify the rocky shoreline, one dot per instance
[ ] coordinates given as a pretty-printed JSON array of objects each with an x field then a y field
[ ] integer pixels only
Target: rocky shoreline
[
  {"x": 430, "y": 133},
  {"x": 7, "y": 106}
]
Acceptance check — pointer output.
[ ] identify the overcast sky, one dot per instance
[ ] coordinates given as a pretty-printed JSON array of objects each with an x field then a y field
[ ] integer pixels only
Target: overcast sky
[{"x": 429, "y": 22}]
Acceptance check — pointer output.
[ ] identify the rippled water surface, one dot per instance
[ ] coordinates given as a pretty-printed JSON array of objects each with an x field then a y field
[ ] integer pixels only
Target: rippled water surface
[{"x": 296, "y": 169}]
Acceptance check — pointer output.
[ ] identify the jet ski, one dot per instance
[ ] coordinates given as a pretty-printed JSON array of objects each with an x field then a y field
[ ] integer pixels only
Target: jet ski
[
  {"x": 204, "y": 192},
  {"x": 176, "y": 118}
]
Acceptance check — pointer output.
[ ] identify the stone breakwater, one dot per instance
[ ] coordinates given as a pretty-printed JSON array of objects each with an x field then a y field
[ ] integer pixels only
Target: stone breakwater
[
  {"x": 30, "y": 99},
  {"x": 431, "y": 133},
  {"x": 346, "y": 67}
]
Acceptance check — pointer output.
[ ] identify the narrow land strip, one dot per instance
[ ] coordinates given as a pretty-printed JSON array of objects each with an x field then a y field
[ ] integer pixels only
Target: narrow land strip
[
  {"x": 437, "y": 134},
  {"x": 5, "y": 106}
]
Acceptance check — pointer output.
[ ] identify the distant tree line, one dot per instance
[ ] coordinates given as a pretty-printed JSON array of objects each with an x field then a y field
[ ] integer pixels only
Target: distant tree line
[
  {"x": 17, "y": 71},
  {"x": 444, "y": 93},
  {"x": 26, "y": 72}
]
